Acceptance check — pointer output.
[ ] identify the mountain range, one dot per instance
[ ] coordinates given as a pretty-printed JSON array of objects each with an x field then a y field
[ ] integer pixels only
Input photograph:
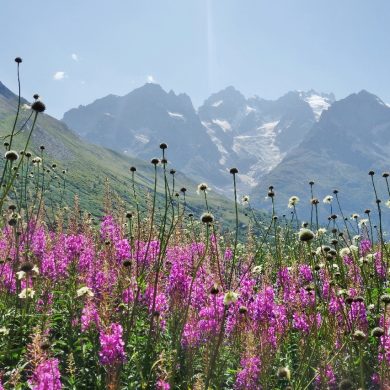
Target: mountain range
[
  {"x": 287, "y": 142},
  {"x": 88, "y": 166},
  {"x": 227, "y": 130}
]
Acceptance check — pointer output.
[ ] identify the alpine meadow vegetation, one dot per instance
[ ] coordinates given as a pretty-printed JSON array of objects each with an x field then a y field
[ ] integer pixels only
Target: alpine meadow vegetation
[{"x": 153, "y": 296}]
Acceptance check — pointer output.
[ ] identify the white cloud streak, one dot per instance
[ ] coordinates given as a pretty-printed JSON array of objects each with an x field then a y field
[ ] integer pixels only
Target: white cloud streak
[{"x": 60, "y": 75}]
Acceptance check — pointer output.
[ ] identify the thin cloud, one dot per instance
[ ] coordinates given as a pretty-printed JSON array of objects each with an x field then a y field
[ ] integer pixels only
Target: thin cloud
[
  {"x": 75, "y": 57},
  {"x": 60, "y": 75}
]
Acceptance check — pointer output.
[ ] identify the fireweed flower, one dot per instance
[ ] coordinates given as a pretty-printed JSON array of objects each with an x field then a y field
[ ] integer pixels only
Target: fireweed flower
[
  {"x": 364, "y": 247},
  {"x": 249, "y": 375},
  {"x": 89, "y": 317},
  {"x": 46, "y": 376},
  {"x": 161, "y": 384},
  {"x": 111, "y": 345}
]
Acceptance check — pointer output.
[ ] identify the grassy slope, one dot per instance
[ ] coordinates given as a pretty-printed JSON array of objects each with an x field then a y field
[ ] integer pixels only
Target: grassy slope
[{"x": 88, "y": 166}]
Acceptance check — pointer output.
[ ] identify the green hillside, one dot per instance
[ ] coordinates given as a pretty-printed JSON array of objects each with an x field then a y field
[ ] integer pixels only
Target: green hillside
[{"x": 88, "y": 166}]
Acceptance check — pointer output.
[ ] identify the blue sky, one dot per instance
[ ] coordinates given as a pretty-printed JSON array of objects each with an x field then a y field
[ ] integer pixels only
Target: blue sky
[{"x": 262, "y": 47}]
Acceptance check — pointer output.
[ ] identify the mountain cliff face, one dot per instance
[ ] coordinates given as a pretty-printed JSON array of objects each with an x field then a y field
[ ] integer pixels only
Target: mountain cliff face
[
  {"x": 255, "y": 134},
  {"x": 137, "y": 123},
  {"x": 288, "y": 142},
  {"x": 228, "y": 130},
  {"x": 351, "y": 138},
  {"x": 88, "y": 165}
]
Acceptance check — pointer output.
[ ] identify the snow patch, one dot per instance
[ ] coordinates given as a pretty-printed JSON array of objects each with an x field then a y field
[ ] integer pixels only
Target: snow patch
[
  {"x": 217, "y": 104},
  {"x": 249, "y": 109},
  {"x": 224, "y": 125},
  {"x": 247, "y": 180},
  {"x": 217, "y": 142},
  {"x": 176, "y": 115},
  {"x": 318, "y": 104},
  {"x": 261, "y": 145}
]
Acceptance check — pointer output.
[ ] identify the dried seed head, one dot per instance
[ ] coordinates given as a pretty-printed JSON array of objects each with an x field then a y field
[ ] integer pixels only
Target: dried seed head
[
  {"x": 163, "y": 146},
  {"x": 359, "y": 335},
  {"x": 26, "y": 266},
  {"x": 207, "y": 218},
  {"x": 233, "y": 171},
  {"x": 202, "y": 187},
  {"x": 345, "y": 384},
  {"x": 214, "y": 289},
  {"x": 154, "y": 161},
  {"x": 243, "y": 309},
  {"x": 45, "y": 346},
  {"x": 127, "y": 263},
  {"x": 305, "y": 235},
  {"x": 18, "y": 60},
  {"x": 385, "y": 299},
  {"x": 284, "y": 373},
  {"x": 371, "y": 173},
  {"x": 377, "y": 332},
  {"x": 133, "y": 169},
  {"x": 12, "y": 221},
  {"x": 11, "y": 155},
  {"x": 38, "y": 106}
]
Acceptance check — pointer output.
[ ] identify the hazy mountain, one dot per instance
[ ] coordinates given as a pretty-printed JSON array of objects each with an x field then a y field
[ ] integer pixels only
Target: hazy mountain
[
  {"x": 137, "y": 123},
  {"x": 351, "y": 138},
  {"x": 228, "y": 130},
  {"x": 89, "y": 165},
  {"x": 255, "y": 134}
]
